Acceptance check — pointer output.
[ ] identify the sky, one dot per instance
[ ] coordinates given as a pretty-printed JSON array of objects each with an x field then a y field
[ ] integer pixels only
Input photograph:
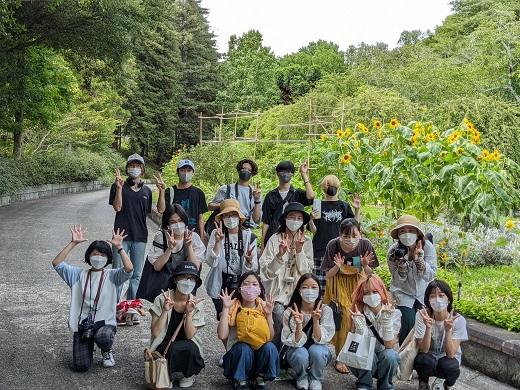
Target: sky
[{"x": 288, "y": 25}]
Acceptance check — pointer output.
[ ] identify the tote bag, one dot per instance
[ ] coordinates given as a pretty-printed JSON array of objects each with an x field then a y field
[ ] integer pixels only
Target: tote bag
[{"x": 358, "y": 351}]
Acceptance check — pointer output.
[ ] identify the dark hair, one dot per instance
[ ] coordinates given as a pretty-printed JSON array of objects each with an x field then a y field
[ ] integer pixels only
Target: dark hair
[
  {"x": 348, "y": 224},
  {"x": 169, "y": 211},
  {"x": 283, "y": 226},
  {"x": 444, "y": 287},
  {"x": 243, "y": 277},
  {"x": 100, "y": 246},
  {"x": 254, "y": 167},
  {"x": 296, "y": 296}
]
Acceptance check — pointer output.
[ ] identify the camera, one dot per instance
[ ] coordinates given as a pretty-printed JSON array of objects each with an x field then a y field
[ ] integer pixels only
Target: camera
[
  {"x": 247, "y": 224},
  {"x": 231, "y": 281},
  {"x": 398, "y": 252},
  {"x": 86, "y": 328}
]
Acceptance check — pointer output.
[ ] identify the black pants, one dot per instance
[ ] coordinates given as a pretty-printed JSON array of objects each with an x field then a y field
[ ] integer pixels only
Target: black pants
[
  {"x": 184, "y": 356},
  {"x": 446, "y": 368}
]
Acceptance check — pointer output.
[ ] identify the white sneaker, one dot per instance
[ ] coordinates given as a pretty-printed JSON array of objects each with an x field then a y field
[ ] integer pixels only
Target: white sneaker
[
  {"x": 314, "y": 384},
  {"x": 302, "y": 384},
  {"x": 221, "y": 362},
  {"x": 108, "y": 359},
  {"x": 136, "y": 319},
  {"x": 187, "y": 382}
]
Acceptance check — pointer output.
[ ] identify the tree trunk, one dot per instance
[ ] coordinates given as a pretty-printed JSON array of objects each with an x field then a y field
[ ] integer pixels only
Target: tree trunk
[{"x": 18, "y": 134}]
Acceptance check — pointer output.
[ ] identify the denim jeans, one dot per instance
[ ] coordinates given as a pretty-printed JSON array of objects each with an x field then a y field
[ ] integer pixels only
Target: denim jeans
[
  {"x": 241, "y": 362},
  {"x": 310, "y": 361},
  {"x": 384, "y": 369},
  {"x": 136, "y": 251}
]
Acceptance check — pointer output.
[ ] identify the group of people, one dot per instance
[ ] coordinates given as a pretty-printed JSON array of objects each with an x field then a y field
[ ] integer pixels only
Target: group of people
[{"x": 279, "y": 302}]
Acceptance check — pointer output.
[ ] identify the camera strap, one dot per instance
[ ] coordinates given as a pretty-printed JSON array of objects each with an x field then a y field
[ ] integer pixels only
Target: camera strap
[{"x": 96, "y": 299}]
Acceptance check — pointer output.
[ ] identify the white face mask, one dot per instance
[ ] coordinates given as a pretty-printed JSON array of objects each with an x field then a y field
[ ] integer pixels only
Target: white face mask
[
  {"x": 185, "y": 286},
  {"x": 309, "y": 295},
  {"x": 178, "y": 228},
  {"x": 293, "y": 224},
  {"x": 231, "y": 222},
  {"x": 408, "y": 239},
  {"x": 372, "y": 300},
  {"x": 185, "y": 177},
  {"x": 98, "y": 261},
  {"x": 351, "y": 241},
  {"x": 134, "y": 172},
  {"x": 439, "y": 304}
]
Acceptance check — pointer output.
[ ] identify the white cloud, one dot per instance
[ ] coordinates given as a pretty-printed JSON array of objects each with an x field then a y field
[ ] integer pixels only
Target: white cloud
[{"x": 288, "y": 25}]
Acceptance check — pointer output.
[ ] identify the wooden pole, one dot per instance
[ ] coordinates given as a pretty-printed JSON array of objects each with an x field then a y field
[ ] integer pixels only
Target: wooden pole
[
  {"x": 221, "y": 124},
  {"x": 200, "y": 127},
  {"x": 342, "y": 114}
]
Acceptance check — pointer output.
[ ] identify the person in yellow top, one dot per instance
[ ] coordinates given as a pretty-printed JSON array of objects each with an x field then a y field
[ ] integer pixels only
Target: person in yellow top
[
  {"x": 347, "y": 259},
  {"x": 246, "y": 322}
]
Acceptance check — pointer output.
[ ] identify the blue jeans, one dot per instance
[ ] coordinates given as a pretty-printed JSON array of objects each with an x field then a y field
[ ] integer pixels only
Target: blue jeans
[
  {"x": 135, "y": 251},
  {"x": 384, "y": 369},
  {"x": 241, "y": 362},
  {"x": 310, "y": 361}
]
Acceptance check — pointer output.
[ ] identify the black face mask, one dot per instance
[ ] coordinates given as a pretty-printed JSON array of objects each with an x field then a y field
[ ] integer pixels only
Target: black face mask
[
  {"x": 285, "y": 177},
  {"x": 331, "y": 191},
  {"x": 244, "y": 175}
]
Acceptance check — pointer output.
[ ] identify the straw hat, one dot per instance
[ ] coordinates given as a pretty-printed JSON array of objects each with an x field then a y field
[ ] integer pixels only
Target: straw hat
[
  {"x": 407, "y": 220},
  {"x": 227, "y": 206}
]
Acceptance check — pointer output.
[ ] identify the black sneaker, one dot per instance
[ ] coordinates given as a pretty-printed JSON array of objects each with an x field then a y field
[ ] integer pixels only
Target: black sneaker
[{"x": 259, "y": 383}]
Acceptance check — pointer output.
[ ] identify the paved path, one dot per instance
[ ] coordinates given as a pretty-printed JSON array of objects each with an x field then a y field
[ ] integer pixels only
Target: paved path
[{"x": 35, "y": 344}]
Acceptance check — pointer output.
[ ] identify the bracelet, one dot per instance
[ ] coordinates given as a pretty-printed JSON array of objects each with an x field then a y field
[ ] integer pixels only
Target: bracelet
[
  {"x": 257, "y": 202},
  {"x": 120, "y": 249}
]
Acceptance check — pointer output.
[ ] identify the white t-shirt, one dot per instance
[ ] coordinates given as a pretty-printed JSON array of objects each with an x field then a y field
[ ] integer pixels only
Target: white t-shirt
[
  {"x": 75, "y": 277},
  {"x": 438, "y": 343}
]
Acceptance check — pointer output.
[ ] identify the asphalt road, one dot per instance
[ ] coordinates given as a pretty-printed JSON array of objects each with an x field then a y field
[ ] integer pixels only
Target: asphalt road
[{"x": 35, "y": 343}]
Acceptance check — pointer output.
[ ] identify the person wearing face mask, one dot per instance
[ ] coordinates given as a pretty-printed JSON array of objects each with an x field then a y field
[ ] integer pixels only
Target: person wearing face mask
[
  {"x": 412, "y": 262},
  {"x": 324, "y": 224},
  {"x": 177, "y": 308},
  {"x": 348, "y": 258},
  {"x": 285, "y": 193},
  {"x": 439, "y": 331},
  {"x": 92, "y": 315},
  {"x": 173, "y": 244},
  {"x": 246, "y": 324},
  {"x": 249, "y": 197},
  {"x": 373, "y": 310},
  {"x": 132, "y": 201},
  {"x": 286, "y": 257},
  {"x": 308, "y": 327},
  {"x": 231, "y": 251},
  {"x": 191, "y": 198}
]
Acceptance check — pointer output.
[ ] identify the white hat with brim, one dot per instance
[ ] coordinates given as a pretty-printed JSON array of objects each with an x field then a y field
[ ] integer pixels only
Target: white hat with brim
[
  {"x": 228, "y": 206},
  {"x": 406, "y": 220}
]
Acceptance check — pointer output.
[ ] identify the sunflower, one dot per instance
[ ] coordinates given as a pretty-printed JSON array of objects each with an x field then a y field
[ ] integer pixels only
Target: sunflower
[
  {"x": 339, "y": 133},
  {"x": 361, "y": 127},
  {"x": 323, "y": 137},
  {"x": 347, "y": 133},
  {"x": 459, "y": 151},
  {"x": 485, "y": 155},
  {"x": 510, "y": 224},
  {"x": 443, "y": 154},
  {"x": 430, "y": 137},
  {"x": 394, "y": 123},
  {"x": 346, "y": 159},
  {"x": 415, "y": 138},
  {"x": 377, "y": 124},
  {"x": 495, "y": 155},
  {"x": 453, "y": 137},
  {"x": 475, "y": 138}
]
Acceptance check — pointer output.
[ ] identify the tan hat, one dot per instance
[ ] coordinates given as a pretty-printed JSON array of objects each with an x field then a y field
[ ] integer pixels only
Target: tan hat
[
  {"x": 227, "y": 206},
  {"x": 407, "y": 220}
]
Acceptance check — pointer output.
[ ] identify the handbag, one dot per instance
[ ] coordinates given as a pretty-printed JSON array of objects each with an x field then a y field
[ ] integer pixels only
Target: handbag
[
  {"x": 407, "y": 352},
  {"x": 358, "y": 351},
  {"x": 156, "y": 374}
]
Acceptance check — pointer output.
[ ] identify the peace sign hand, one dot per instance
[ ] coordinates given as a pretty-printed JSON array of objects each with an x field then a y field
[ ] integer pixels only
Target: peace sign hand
[
  {"x": 257, "y": 193},
  {"x": 339, "y": 260},
  {"x": 119, "y": 180},
  {"x": 190, "y": 305},
  {"x": 171, "y": 239},
  {"x": 118, "y": 237},
  {"x": 283, "y": 246},
  {"x": 219, "y": 233},
  {"x": 159, "y": 182},
  {"x": 367, "y": 259},
  {"x": 168, "y": 302},
  {"x": 387, "y": 311},
  {"x": 78, "y": 234},
  {"x": 188, "y": 238},
  {"x": 448, "y": 322},
  {"x": 419, "y": 257},
  {"x": 316, "y": 313},
  {"x": 304, "y": 171},
  {"x": 227, "y": 302},
  {"x": 419, "y": 252},
  {"x": 356, "y": 201},
  {"x": 427, "y": 320},
  {"x": 248, "y": 255},
  {"x": 299, "y": 241},
  {"x": 268, "y": 306},
  {"x": 297, "y": 316}
]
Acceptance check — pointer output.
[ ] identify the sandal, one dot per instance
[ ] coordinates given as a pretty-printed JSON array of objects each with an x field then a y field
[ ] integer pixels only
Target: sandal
[{"x": 341, "y": 368}]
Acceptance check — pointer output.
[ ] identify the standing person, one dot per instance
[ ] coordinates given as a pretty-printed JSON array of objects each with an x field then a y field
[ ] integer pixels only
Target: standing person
[
  {"x": 412, "y": 262},
  {"x": 132, "y": 201},
  {"x": 379, "y": 315},
  {"x": 92, "y": 315},
  {"x": 285, "y": 193},
  {"x": 439, "y": 333},
  {"x": 174, "y": 308},
  {"x": 348, "y": 258},
  {"x": 287, "y": 256},
  {"x": 191, "y": 198},
  {"x": 325, "y": 224},
  {"x": 247, "y": 325},
  {"x": 249, "y": 197},
  {"x": 308, "y": 327}
]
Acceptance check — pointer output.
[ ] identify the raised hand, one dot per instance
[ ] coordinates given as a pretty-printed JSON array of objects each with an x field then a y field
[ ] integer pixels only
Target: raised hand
[
  {"x": 190, "y": 305},
  {"x": 367, "y": 259},
  {"x": 248, "y": 255},
  {"x": 296, "y": 314},
  {"x": 219, "y": 232},
  {"x": 316, "y": 313},
  {"x": 315, "y": 214},
  {"x": 257, "y": 193},
  {"x": 268, "y": 306},
  {"x": 304, "y": 171},
  {"x": 358, "y": 319},
  {"x": 283, "y": 246},
  {"x": 119, "y": 179},
  {"x": 117, "y": 238},
  {"x": 188, "y": 238},
  {"x": 227, "y": 302},
  {"x": 428, "y": 321},
  {"x": 299, "y": 241},
  {"x": 387, "y": 311},
  {"x": 168, "y": 302},
  {"x": 78, "y": 234},
  {"x": 159, "y": 182},
  {"x": 339, "y": 260},
  {"x": 448, "y": 322},
  {"x": 170, "y": 239},
  {"x": 419, "y": 252},
  {"x": 356, "y": 201}
]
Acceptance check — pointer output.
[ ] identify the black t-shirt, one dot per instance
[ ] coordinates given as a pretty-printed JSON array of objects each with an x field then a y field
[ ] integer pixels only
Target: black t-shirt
[
  {"x": 132, "y": 217},
  {"x": 332, "y": 213},
  {"x": 175, "y": 319},
  {"x": 272, "y": 209},
  {"x": 192, "y": 200}
]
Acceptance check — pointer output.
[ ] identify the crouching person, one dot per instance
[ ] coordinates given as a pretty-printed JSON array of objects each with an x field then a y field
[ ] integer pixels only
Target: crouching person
[
  {"x": 308, "y": 326},
  {"x": 379, "y": 315},
  {"x": 178, "y": 308},
  {"x": 246, "y": 322},
  {"x": 94, "y": 296}
]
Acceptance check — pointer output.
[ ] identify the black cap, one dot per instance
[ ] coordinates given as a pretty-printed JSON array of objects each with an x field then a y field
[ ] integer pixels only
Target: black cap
[
  {"x": 295, "y": 206},
  {"x": 187, "y": 268},
  {"x": 285, "y": 165}
]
